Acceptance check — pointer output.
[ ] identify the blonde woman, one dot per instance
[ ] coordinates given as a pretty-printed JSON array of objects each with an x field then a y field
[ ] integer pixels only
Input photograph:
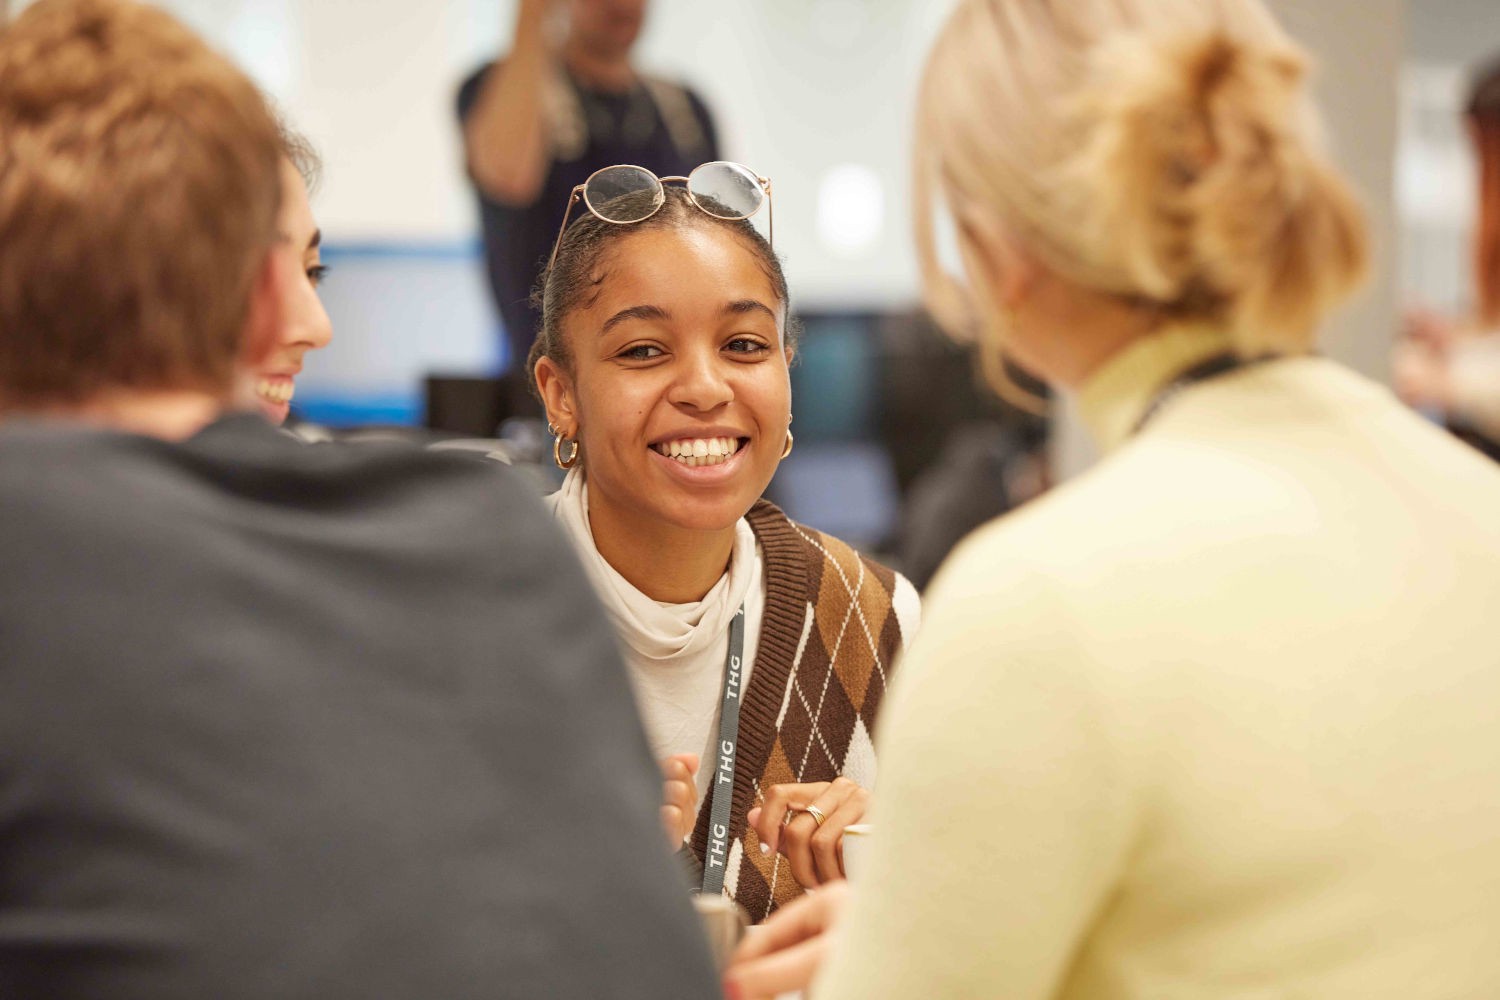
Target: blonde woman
[{"x": 1217, "y": 719}]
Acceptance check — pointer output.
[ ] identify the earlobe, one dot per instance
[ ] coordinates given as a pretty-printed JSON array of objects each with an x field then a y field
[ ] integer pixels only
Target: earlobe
[{"x": 557, "y": 395}]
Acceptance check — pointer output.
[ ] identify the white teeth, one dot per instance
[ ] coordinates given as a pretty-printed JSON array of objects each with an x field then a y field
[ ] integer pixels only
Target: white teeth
[
  {"x": 695, "y": 452},
  {"x": 275, "y": 392}
]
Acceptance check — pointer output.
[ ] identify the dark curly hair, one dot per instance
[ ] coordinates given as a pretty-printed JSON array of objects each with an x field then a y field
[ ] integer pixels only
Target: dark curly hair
[{"x": 582, "y": 266}]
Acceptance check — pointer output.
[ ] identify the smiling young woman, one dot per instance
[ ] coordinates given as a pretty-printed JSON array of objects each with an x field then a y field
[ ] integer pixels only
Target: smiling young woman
[
  {"x": 305, "y": 326},
  {"x": 663, "y": 364}
]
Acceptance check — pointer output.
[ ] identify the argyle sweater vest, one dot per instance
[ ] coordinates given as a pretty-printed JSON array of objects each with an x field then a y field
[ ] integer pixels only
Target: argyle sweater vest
[{"x": 834, "y": 623}]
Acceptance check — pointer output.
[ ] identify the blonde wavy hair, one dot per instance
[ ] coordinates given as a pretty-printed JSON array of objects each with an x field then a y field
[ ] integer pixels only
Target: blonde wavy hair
[{"x": 1161, "y": 151}]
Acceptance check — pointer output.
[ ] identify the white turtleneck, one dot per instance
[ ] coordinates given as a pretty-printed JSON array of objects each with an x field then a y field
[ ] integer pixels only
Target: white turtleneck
[{"x": 675, "y": 652}]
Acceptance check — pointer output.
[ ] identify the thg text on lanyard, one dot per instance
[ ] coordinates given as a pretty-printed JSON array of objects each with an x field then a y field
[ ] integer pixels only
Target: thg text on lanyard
[{"x": 722, "y": 789}]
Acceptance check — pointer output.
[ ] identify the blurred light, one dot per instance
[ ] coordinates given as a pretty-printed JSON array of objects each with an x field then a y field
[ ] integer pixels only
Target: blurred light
[
  {"x": 263, "y": 37},
  {"x": 851, "y": 209},
  {"x": 1436, "y": 181}
]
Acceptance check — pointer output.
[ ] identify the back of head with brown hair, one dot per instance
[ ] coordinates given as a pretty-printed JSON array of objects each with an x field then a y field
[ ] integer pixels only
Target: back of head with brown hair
[{"x": 139, "y": 188}]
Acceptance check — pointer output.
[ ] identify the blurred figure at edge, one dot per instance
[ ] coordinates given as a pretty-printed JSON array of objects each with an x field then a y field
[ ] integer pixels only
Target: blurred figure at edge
[{"x": 1448, "y": 369}]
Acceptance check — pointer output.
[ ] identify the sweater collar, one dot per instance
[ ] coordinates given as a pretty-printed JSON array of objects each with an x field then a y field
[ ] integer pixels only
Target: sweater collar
[
  {"x": 653, "y": 629},
  {"x": 1119, "y": 393}
]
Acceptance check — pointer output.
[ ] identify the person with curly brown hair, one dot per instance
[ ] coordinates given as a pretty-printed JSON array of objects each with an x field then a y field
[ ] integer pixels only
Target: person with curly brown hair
[{"x": 275, "y": 720}]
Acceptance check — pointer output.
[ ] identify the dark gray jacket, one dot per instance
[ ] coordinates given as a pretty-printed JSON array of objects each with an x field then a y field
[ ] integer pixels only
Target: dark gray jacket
[{"x": 284, "y": 721}]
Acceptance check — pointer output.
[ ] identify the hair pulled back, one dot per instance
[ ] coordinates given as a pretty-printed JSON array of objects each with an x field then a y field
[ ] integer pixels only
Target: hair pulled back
[
  {"x": 583, "y": 258},
  {"x": 1164, "y": 151}
]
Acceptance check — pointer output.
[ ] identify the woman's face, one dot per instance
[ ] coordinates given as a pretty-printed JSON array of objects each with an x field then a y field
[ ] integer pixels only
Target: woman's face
[
  {"x": 305, "y": 325},
  {"x": 680, "y": 396}
]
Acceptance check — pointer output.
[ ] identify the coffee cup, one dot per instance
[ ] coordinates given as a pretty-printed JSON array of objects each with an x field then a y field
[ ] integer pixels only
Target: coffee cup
[
  {"x": 724, "y": 922},
  {"x": 856, "y": 846}
]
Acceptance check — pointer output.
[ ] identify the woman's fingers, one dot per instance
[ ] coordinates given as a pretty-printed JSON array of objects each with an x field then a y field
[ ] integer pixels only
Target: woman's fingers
[
  {"x": 682, "y": 794},
  {"x": 784, "y": 953},
  {"x": 828, "y": 839},
  {"x": 778, "y": 802},
  {"x": 821, "y": 861},
  {"x": 796, "y": 847},
  {"x": 787, "y": 971},
  {"x": 675, "y": 765},
  {"x": 679, "y": 797},
  {"x": 797, "y": 921},
  {"x": 677, "y": 813},
  {"x": 810, "y": 840},
  {"x": 671, "y": 825}
]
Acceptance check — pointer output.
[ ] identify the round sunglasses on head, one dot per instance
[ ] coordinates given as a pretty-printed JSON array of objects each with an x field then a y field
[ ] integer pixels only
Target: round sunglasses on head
[{"x": 625, "y": 193}]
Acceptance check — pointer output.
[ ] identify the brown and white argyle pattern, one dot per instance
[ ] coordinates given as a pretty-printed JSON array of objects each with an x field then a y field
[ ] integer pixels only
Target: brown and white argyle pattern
[{"x": 834, "y": 623}]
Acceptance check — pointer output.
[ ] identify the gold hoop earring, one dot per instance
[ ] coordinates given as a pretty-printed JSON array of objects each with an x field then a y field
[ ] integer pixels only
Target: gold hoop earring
[
  {"x": 788, "y": 449},
  {"x": 557, "y": 443}
]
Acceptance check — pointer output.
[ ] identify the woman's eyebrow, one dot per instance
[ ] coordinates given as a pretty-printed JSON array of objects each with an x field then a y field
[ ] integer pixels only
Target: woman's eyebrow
[
  {"x": 635, "y": 312},
  {"x": 740, "y": 306},
  {"x": 316, "y": 241}
]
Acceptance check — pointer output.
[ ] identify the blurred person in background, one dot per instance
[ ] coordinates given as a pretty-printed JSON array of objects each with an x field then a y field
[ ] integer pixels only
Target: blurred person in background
[
  {"x": 275, "y": 721},
  {"x": 566, "y": 101},
  {"x": 1216, "y": 719},
  {"x": 305, "y": 325},
  {"x": 1452, "y": 369},
  {"x": 757, "y": 646}
]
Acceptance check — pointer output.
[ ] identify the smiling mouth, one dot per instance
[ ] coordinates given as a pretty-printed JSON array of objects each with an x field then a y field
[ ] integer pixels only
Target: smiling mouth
[
  {"x": 274, "y": 391},
  {"x": 695, "y": 452}
]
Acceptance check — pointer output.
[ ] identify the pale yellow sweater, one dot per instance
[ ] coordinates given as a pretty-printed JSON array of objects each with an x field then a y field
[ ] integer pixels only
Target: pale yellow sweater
[{"x": 1219, "y": 719}]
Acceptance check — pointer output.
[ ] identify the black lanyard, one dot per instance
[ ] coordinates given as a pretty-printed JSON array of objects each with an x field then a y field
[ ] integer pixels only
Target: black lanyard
[
  {"x": 1219, "y": 364},
  {"x": 722, "y": 790}
]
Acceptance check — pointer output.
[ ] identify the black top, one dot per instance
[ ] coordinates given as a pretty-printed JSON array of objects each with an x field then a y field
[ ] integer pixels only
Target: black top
[
  {"x": 286, "y": 721},
  {"x": 619, "y": 128}
]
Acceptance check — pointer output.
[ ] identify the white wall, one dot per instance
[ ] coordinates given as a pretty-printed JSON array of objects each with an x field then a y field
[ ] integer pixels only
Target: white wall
[
  {"x": 1359, "y": 46},
  {"x": 800, "y": 87}
]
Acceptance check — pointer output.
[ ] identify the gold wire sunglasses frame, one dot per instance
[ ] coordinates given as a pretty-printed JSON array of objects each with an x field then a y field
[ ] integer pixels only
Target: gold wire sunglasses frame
[{"x": 713, "y": 187}]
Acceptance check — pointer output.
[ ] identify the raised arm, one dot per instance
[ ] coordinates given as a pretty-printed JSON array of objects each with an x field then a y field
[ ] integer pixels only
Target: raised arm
[{"x": 505, "y": 131}]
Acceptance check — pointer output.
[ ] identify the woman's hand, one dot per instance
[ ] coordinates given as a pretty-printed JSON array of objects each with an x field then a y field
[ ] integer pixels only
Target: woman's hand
[
  {"x": 815, "y": 850},
  {"x": 785, "y": 952},
  {"x": 679, "y": 810}
]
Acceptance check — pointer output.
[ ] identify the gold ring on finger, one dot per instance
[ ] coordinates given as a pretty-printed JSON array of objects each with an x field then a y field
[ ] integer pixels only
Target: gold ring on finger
[{"x": 816, "y": 814}]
